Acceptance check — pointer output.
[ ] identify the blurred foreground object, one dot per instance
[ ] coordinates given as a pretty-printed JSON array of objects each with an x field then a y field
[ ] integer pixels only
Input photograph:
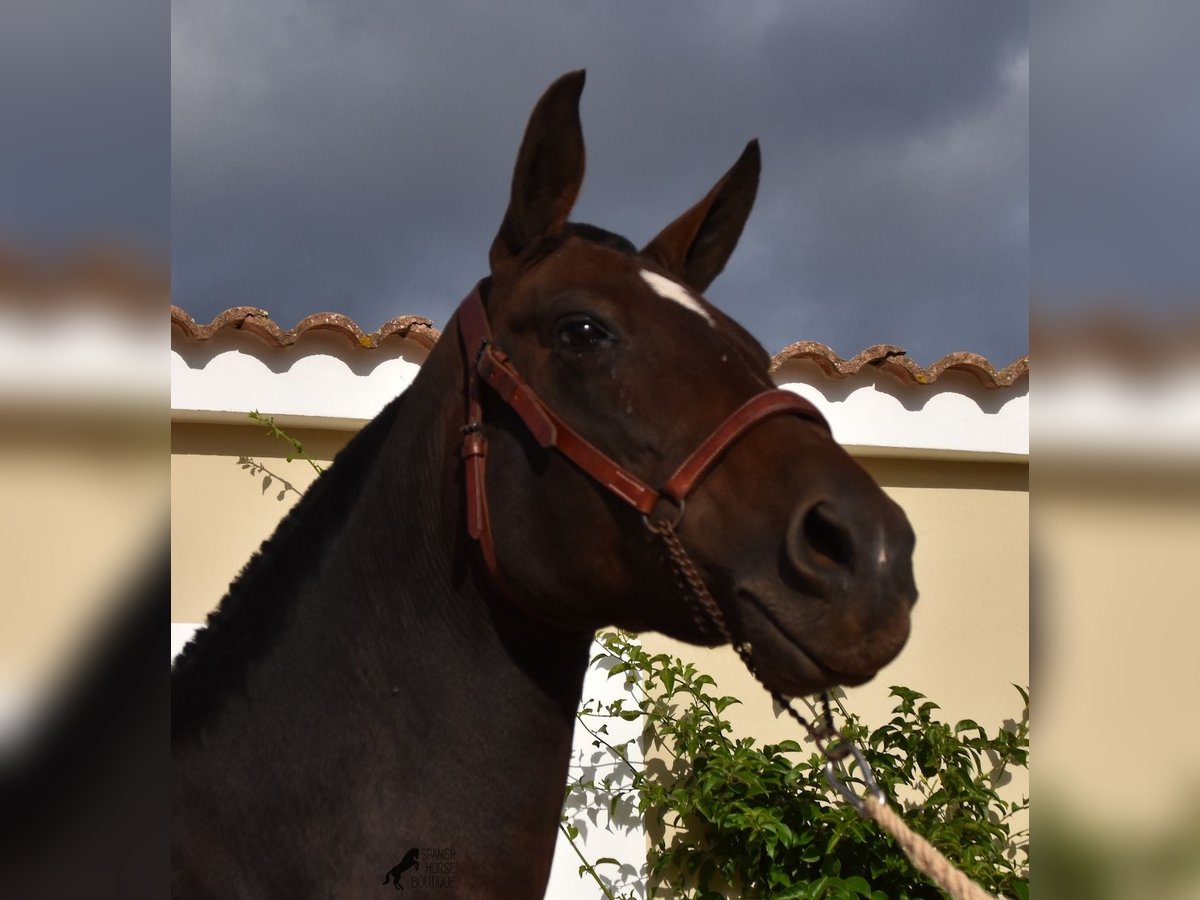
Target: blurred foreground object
[
  {"x": 84, "y": 476},
  {"x": 83, "y": 457},
  {"x": 1116, "y": 532},
  {"x": 1115, "y": 220}
]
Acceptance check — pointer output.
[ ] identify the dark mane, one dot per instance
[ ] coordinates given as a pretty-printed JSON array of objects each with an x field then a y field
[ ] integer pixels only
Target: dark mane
[
  {"x": 251, "y": 614},
  {"x": 600, "y": 236}
]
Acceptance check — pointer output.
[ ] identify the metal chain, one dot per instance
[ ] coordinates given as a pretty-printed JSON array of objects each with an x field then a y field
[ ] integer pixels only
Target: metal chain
[
  {"x": 833, "y": 746},
  {"x": 705, "y": 612},
  {"x": 708, "y": 616}
]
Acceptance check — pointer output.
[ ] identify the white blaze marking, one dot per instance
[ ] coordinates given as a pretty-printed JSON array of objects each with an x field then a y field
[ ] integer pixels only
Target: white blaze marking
[{"x": 670, "y": 290}]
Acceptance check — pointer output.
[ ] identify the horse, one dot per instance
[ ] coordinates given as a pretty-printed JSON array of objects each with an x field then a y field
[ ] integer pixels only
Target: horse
[
  {"x": 401, "y": 662},
  {"x": 411, "y": 860}
]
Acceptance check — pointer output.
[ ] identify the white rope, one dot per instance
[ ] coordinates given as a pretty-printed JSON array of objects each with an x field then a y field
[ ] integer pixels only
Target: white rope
[{"x": 922, "y": 854}]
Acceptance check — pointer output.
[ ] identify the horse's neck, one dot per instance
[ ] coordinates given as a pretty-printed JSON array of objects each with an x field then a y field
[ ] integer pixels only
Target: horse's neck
[{"x": 397, "y": 707}]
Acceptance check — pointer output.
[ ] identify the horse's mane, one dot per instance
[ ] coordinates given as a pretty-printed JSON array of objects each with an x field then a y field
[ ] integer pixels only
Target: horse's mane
[
  {"x": 601, "y": 236},
  {"x": 251, "y": 614}
]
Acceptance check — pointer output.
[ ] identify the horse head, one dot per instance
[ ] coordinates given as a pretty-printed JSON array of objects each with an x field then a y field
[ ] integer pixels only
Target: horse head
[{"x": 808, "y": 560}]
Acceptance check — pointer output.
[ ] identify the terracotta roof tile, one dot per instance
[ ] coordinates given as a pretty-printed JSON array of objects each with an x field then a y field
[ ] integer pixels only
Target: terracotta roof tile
[
  {"x": 259, "y": 323},
  {"x": 886, "y": 357},
  {"x": 900, "y": 365},
  {"x": 93, "y": 275}
]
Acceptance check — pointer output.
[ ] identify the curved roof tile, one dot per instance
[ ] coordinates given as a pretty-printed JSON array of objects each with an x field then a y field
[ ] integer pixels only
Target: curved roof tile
[
  {"x": 896, "y": 362},
  {"x": 887, "y": 357},
  {"x": 259, "y": 323}
]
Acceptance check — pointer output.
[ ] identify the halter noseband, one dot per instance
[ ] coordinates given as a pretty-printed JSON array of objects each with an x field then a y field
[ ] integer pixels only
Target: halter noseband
[{"x": 489, "y": 365}]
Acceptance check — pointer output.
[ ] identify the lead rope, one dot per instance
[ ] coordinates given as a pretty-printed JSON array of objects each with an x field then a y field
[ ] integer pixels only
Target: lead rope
[{"x": 926, "y": 858}]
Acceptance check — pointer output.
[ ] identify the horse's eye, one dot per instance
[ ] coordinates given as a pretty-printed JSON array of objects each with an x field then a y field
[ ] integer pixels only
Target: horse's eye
[{"x": 584, "y": 334}]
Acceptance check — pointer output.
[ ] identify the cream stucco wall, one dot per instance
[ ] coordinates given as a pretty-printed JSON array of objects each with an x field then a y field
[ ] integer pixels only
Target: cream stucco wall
[
  {"x": 82, "y": 517},
  {"x": 232, "y": 483},
  {"x": 222, "y": 509},
  {"x": 970, "y": 631}
]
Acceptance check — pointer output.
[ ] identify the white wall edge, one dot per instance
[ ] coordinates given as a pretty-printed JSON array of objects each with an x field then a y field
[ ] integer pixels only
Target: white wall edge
[
  {"x": 284, "y": 420},
  {"x": 329, "y": 385},
  {"x": 868, "y": 451}
]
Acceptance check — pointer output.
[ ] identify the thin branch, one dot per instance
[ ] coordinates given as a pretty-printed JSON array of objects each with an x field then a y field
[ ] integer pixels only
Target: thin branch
[
  {"x": 276, "y": 431},
  {"x": 586, "y": 865}
]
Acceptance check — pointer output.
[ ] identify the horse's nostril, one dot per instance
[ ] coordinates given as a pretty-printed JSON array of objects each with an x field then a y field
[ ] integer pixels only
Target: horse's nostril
[
  {"x": 818, "y": 539},
  {"x": 827, "y": 537}
]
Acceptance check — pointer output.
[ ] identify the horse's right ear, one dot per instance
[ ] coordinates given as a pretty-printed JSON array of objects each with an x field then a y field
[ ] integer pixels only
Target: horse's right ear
[{"x": 548, "y": 173}]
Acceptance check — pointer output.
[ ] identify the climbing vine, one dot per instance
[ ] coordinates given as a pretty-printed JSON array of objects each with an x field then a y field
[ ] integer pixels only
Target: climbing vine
[{"x": 275, "y": 431}]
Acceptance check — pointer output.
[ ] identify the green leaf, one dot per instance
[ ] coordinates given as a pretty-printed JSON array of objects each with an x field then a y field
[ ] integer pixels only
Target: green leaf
[{"x": 859, "y": 885}]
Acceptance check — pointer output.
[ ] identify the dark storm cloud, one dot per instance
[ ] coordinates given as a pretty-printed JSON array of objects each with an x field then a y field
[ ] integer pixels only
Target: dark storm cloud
[
  {"x": 84, "y": 123},
  {"x": 1115, "y": 143},
  {"x": 356, "y": 156}
]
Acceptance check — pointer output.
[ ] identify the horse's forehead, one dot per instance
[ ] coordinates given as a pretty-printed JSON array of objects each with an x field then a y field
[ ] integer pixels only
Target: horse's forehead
[
  {"x": 606, "y": 270},
  {"x": 676, "y": 293}
]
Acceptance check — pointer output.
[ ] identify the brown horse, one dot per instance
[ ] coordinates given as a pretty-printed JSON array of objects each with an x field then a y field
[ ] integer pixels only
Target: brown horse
[{"x": 401, "y": 663}]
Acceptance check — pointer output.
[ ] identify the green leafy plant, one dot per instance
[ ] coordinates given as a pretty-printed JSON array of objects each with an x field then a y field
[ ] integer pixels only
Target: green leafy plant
[{"x": 728, "y": 817}]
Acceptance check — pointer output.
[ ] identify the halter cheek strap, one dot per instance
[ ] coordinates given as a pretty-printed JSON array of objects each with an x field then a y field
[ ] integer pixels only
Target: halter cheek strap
[{"x": 485, "y": 364}]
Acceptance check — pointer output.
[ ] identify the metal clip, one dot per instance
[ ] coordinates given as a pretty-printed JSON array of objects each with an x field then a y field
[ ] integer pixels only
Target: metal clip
[
  {"x": 836, "y": 771},
  {"x": 655, "y": 522}
]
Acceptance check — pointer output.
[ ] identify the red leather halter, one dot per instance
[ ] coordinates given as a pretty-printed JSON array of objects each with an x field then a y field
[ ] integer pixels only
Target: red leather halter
[{"x": 489, "y": 365}]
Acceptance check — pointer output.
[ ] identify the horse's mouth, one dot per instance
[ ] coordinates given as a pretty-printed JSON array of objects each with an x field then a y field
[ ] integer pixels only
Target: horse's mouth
[{"x": 780, "y": 657}]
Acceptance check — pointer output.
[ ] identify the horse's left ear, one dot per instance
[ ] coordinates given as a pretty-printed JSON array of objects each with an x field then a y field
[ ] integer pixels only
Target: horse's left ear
[
  {"x": 695, "y": 247},
  {"x": 548, "y": 173}
]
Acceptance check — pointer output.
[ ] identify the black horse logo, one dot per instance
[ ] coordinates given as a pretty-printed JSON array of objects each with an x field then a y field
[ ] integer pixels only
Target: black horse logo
[{"x": 410, "y": 861}]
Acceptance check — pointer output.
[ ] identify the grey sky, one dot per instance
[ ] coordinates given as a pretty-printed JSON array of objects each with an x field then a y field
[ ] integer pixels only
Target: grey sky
[
  {"x": 85, "y": 122},
  {"x": 355, "y": 156},
  {"x": 1116, "y": 140}
]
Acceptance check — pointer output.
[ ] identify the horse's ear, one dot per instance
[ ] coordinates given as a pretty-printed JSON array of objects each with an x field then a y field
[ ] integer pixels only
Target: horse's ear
[
  {"x": 548, "y": 173},
  {"x": 695, "y": 247}
]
